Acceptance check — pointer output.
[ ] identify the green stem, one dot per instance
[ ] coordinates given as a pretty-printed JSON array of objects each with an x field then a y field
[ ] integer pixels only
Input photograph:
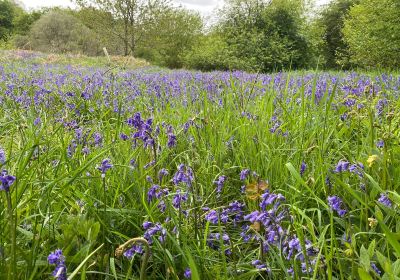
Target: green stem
[
  {"x": 11, "y": 273},
  {"x": 104, "y": 206}
]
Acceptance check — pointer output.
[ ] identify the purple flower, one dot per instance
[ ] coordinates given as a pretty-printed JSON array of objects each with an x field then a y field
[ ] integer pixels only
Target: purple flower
[
  {"x": 342, "y": 166},
  {"x": 178, "y": 198},
  {"x": 268, "y": 198},
  {"x": 188, "y": 273},
  {"x": 258, "y": 264},
  {"x": 384, "y": 199},
  {"x": 57, "y": 258},
  {"x": 98, "y": 139},
  {"x": 2, "y": 156},
  {"x": 162, "y": 173},
  {"x": 212, "y": 217},
  {"x": 146, "y": 225},
  {"x": 303, "y": 167},
  {"x": 6, "y": 181},
  {"x": 151, "y": 194},
  {"x": 104, "y": 166},
  {"x": 135, "y": 249},
  {"x": 183, "y": 175},
  {"x": 214, "y": 239},
  {"x": 123, "y": 136},
  {"x": 171, "y": 137},
  {"x": 220, "y": 183},
  {"x": 357, "y": 169},
  {"x": 37, "y": 121},
  {"x": 375, "y": 268},
  {"x": 335, "y": 203},
  {"x": 380, "y": 144},
  {"x": 152, "y": 230},
  {"x": 244, "y": 174},
  {"x": 151, "y": 163}
]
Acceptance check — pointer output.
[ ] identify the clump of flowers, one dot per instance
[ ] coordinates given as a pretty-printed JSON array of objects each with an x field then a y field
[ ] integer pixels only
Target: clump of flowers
[
  {"x": 2, "y": 156},
  {"x": 152, "y": 230},
  {"x": 335, "y": 203},
  {"x": 6, "y": 181},
  {"x": 143, "y": 129},
  {"x": 57, "y": 258},
  {"x": 214, "y": 241},
  {"x": 184, "y": 175},
  {"x": 384, "y": 199},
  {"x": 104, "y": 166},
  {"x": 220, "y": 182},
  {"x": 342, "y": 166}
]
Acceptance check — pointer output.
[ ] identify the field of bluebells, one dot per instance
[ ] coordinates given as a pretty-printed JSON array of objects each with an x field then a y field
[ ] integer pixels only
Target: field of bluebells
[{"x": 111, "y": 174}]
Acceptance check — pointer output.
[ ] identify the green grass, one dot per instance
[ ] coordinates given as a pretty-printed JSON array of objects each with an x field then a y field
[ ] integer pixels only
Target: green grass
[{"x": 60, "y": 200}]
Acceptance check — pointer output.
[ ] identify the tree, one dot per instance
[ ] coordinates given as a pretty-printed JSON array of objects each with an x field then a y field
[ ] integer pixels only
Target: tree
[
  {"x": 130, "y": 18},
  {"x": 265, "y": 35},
  {"x": 334, "y": 48},
  {"x": 61, "y": 32},
  {"x": 6, "y": 19},
  {"x": 372, "y": 32},
  {"x": 173, "y": 33}
]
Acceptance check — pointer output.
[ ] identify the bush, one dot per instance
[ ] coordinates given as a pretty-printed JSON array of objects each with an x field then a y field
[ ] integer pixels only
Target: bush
[
  {"x": 372, "y": 32},
  {"x": 60, "y": 32}
]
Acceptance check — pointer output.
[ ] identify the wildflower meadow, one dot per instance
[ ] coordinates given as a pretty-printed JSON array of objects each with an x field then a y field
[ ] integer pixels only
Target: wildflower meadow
[{"x": 109, "y": 173}]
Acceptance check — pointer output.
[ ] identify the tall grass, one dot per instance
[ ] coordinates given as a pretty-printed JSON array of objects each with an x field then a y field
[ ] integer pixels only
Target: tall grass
[{"x": 59, "y": 123}]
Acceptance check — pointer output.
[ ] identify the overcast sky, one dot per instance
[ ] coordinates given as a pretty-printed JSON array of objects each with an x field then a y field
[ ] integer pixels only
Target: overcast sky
[{"x": 205, "y": 7}]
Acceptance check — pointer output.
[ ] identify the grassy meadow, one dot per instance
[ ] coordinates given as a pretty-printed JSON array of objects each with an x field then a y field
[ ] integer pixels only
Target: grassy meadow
[{"x": 137, "y": 173}]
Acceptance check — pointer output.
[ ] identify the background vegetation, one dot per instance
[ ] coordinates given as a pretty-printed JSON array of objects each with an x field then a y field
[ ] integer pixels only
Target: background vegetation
[{"x": 251, "y": 35}]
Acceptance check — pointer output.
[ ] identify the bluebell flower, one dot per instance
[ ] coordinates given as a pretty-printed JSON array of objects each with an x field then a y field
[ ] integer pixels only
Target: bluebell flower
[
  {"x": 212, "y": 217},
  {"x": 37, "y": 121},
  {"x": 244, "y": 174},
  {"x": 258, "y": 264},
  {"x": 151, "y": 163},
  {"x": 178, "y": 198},
  {"x": 135, "y": 249},
  {"x": 342, "y": 166},
  {"x": 98, "y": 139},
  {"x": 171, "y": 137},
  {"x": 104, "y": 166},
  {"x": 303, "y": 167},
  {"x": 188, "y": 273},
  {"x": 384, "y": 199},
  {"x": 375, "y": 268},
  {"x": 6, "y": 181},
  {"x": 2, "y": 156},
  {"x": 183, "y": 175},
  {"x": 57, "y": 258},
  {"x": 123, "y": 136},
  {"x": 162, "y": 173},
  {"x": 335, "y": 203},
  {"x": 380, "y": 144},
  {"x": 151, "y": 194},
  {"x": 220, "y": 183}
]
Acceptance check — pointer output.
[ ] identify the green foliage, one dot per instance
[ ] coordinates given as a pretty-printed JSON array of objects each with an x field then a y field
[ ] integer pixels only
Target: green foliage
[
  {"x": 60, "y": 32},
  {"x": 23, "y": 22},
  {"x": 372, "y": 32},
  {"x": 6, "y": 19},
  {"x": 334, "y": 48},
  {"x": 173, "y": 33},
  {"x": 210, "y": 52},
  {"x": 261, "y": 36}
]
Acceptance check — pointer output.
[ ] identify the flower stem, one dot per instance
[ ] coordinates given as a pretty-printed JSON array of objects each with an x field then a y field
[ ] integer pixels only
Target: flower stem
[{"x": 11, "y": 272}]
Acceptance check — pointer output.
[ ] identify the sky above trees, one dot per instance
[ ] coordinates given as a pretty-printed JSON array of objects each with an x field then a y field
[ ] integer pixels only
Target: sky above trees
[{"x": 205, "y": 7}]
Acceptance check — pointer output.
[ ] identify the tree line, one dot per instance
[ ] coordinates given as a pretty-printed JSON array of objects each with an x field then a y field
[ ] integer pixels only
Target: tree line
[{"x": 251, "y": 35}]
